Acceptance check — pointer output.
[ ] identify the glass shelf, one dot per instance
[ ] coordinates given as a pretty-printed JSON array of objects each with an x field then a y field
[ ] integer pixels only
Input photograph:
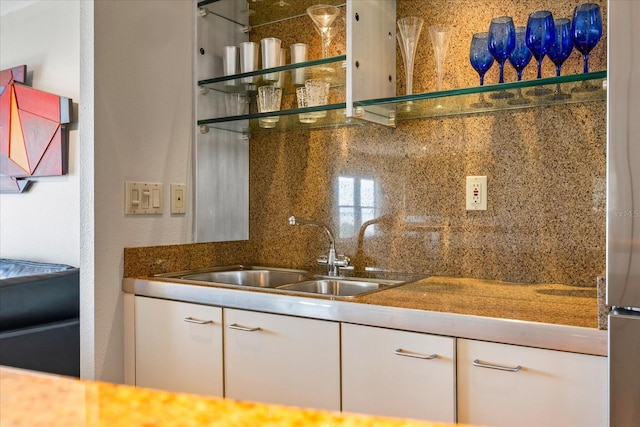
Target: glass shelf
[
  {"x": 328, "y": 69},
  {"x": 469, "y": 100},
  {"x": 264, "y": 12},
  {"x": 288, "y": 120}
]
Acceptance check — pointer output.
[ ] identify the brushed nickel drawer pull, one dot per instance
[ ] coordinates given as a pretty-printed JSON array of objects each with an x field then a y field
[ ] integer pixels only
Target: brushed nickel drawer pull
[
  {"x": 198, "y": 321},
  {"x": 243, "y": 328},
  {"x": 402, "y": 352},
  {"x": 481, "y": 364}
]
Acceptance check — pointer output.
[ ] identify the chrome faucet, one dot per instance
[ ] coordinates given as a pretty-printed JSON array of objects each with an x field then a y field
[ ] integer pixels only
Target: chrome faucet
[{"x": 331, "y": 260}]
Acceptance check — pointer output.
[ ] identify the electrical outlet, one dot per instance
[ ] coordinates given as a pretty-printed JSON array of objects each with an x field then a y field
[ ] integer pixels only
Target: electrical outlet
[{"x": 476, "y": 193}]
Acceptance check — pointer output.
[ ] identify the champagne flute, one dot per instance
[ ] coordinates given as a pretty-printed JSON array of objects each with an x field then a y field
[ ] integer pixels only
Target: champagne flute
[
  {"x": 502, "y": 41},
  {"x": 519, "y": 59},
  {"x": 586, "y": 31},
  {"x": 481, "y": 61},
  {"x": 560, "y": 51},
  {"x": 540, "y": 37}
]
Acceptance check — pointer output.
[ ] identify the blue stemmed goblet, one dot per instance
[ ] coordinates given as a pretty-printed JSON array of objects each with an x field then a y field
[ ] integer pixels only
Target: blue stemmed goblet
[
  {"x": 586, "y": 31},
  {"x": 560, "y": 51},
  {"x": 502, "y": 41},
  {"x": 481, "y": 61},
  {"x": 519, "y": 59},
  {"x": 540, "y": 37}
]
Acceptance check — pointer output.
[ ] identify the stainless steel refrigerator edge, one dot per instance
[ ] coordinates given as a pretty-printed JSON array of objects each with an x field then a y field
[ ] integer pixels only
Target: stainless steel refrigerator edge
[{"x": 623, "y": 211}]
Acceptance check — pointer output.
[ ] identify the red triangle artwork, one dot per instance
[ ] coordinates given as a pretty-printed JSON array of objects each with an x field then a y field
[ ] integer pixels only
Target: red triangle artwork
[{"x": 33, "y": 135}]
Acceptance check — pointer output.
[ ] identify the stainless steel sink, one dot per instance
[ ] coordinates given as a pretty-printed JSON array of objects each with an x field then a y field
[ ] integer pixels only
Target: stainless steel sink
[
  {"x": 336, "y": 287},
  {"x": 240, "y": 275}
]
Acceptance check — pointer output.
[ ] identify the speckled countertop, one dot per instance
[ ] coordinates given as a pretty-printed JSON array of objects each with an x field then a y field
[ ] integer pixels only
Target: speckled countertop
[
  {"x": 551, "y": 316},
  {"x": 34, "y": 399}
]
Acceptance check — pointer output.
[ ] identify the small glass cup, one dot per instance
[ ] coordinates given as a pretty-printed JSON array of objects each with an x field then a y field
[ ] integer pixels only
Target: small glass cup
[
  {"x": 299, "y": 52},
  {"x": 301, "y": 96},
  {"x": 269, "y": 98},
  {"x": 237, "y": 104},
  {"x": 270, "y": 57},
  {"x": 317, "y": 93}
]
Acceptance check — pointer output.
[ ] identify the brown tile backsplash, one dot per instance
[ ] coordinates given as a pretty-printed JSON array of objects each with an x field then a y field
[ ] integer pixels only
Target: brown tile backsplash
[{"x": 545, "y": 167}]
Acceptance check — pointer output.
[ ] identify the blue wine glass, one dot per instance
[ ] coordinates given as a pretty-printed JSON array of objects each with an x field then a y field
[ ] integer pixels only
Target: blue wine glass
[
  {"x": 481, "y": 61},
  {"x": 502, "y": 40},
  {"x": 586, "y": 31},
  {"x": 519, "y": 59},
  {"x": 560, "y": 51},
  {"x": 540, "y": 37}
]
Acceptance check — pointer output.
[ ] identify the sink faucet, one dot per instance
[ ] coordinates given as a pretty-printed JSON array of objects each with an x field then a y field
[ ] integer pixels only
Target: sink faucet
[{"x": 331, "y": 260}]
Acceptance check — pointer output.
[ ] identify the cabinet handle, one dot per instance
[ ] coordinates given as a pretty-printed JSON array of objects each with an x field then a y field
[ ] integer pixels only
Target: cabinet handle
[
  {"x": 481, "y": 364},
  {"x": 198, "y": 321},
  {"x": 402, "y": 352},
  {"x": 243, "y": 328}
]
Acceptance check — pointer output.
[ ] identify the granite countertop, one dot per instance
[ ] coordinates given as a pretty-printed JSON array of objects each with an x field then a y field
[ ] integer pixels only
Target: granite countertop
[
  {"x": 549, "y": 316},
  {"x": 545, "y": 303},
  {"x": 34, "y": 399}
]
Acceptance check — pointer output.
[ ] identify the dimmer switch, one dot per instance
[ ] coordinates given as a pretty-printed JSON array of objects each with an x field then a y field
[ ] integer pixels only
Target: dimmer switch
[
  {"x": 476, "y": 193},
  {"x": 143, "y": 198}
]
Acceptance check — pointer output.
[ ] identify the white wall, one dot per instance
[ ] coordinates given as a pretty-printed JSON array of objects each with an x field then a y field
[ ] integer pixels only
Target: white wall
[
  {"x": 136, "y": 124},
  {"x": 44, "y": 223}
]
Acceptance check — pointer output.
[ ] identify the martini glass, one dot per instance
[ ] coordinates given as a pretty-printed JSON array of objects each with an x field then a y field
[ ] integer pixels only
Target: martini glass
[
  {"x": 481, "y": 61},
  {"x": 540, "y": 37},
  {"x": 560, "y": 51},
  {"x": 586, "y": 30},
  {"x": 502, "y": 41},
  {"x": 519, "y": 59},
  {"x": 323, "y": 16}
]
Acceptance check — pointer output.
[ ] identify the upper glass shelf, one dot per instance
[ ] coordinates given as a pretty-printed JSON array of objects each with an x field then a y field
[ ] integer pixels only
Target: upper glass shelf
[
  {"x": 506, "y": 96},
  {"x": 327, "y": 69},
  {"x": 264, "y": 12}
]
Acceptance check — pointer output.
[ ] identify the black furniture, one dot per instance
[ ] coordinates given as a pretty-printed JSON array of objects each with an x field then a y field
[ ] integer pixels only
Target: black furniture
[{"x": 40, "y": 316}]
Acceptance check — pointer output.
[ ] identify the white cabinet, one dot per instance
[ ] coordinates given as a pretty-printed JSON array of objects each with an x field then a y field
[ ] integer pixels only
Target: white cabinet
[
  {"x": 178, "y": 346},
  {"x": 507, "y": 385},
  {"x": 281, "y": 359},
  {"x": 397, "y": 373}
]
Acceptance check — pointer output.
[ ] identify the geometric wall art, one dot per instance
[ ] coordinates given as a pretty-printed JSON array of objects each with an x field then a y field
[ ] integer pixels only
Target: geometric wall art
[{"x": 33, "y": 135}]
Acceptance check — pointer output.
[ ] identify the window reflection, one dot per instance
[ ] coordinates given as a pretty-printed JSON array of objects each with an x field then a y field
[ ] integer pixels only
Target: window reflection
[{"x": 356, "y": 204}]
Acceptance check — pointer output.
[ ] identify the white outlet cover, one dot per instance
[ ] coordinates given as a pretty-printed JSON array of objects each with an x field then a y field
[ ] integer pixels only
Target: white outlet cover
[
  {"x": 178, "y": 198},
  {"x": 476, "y": 193}
]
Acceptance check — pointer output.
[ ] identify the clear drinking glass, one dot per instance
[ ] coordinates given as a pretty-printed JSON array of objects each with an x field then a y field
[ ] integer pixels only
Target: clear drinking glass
[
  {"x": 269, "y": 99},
  {"x": 317, "y": 93},
  {"x": 440, "y": 35},
  {"x": 409, "y": 29},
  {"x": 301, "y": 96}
]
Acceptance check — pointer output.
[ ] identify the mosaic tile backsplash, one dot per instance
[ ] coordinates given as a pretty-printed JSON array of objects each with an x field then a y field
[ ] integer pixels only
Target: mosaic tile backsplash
[{"x": 395, "y": 198}]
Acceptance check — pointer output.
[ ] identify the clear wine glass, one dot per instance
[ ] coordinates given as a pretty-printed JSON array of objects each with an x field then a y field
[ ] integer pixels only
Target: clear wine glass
[
  {"x": 586, "y": 31},
  {"x": 540, "y": 37},
  {"x": 409, "y": 30},
  {"x": 323, "y": 16},
  {"x": 502, "y": 41},
  {"x": 519, "y": 59},
  {"x": 481, "y": 61},
  {"x": 560, "y": 51}
]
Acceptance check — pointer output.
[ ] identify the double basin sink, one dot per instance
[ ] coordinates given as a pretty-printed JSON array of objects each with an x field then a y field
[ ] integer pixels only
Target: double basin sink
[{"x": 284, "y": 280}]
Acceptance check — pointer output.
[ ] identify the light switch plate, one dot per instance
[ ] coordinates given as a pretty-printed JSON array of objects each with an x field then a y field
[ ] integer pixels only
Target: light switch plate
[
  {"x": 143, "y": 198},
  {"x": 178, "y": 198},
  {"x": 476, "y": 193}
]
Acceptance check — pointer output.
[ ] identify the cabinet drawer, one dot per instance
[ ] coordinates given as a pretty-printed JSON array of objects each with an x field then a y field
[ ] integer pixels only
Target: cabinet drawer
[
  {"x": 178, "y": 346},
  {"x": 282, "y": 359},
  {"x": 397, "y": 373},
  {"x": 508, "y": 385}
]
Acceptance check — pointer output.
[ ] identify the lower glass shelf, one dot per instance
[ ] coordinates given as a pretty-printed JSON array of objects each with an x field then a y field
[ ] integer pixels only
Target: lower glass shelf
[
  {"x": 576, "y": 88},
  {"x": 326, "y": 116}
]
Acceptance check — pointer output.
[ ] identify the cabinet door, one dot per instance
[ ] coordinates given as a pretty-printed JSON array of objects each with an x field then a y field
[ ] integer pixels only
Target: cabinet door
[
  {"x": 535, "y": 387},
  {"x": 281, "y": 359},
  {"x": 178, "y": 346},
  {"x": 398, "y": 374}
]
